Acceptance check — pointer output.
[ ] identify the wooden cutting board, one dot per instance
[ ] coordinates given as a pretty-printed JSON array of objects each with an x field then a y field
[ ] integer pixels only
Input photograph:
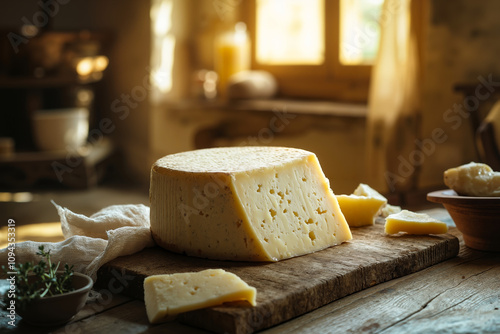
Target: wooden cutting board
[{"x": 292, "y": 287}]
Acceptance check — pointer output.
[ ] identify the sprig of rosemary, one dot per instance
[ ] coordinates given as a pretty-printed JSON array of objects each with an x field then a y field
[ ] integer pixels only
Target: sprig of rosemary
[{"x": 46, "y": 282}]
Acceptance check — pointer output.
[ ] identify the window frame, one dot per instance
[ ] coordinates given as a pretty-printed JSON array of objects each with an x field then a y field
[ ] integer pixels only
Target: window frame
[{"x": 331, "y": 80}]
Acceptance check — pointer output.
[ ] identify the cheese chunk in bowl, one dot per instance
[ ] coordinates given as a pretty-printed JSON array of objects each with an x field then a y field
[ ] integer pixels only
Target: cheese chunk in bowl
[{"x": 473, "y": 179}]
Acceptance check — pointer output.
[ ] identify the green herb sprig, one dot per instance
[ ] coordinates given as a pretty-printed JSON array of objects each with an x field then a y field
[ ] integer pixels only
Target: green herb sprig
[{"x": 46, "y": 281}]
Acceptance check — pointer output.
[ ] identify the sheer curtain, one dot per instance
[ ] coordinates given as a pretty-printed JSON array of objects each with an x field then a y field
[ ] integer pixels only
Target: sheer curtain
[{"x": 392, "y": 125}]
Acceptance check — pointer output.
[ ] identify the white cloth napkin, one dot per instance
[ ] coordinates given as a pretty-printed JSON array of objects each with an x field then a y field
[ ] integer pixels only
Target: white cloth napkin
[{"x": 90, "y": 242}]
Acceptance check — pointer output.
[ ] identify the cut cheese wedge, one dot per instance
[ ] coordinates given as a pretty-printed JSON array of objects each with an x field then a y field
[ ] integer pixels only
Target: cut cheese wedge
[
  {"x": 166, "y": 296},
  {"x": 244, "y": 203},
  {"x": 360, "y": 210},
  {"x": 414, "y": 223},
  {"x": 363, "y": 206}
]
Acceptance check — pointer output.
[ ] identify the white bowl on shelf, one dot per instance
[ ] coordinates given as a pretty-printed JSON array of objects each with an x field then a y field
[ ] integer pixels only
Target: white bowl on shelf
[{"x": 60, "y": 129}]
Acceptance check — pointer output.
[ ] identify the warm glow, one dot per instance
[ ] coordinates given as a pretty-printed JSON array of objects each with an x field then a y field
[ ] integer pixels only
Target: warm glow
[
  {"x": 162, "y": 57},
  {"x": 232, "y": 55},
  {"x": 100, "y": 63},
  {"x": 162, "y": 75},
  {"x": 85, "y": 67},
  {"x": 91, "y": 65},
  {"x": 359, "y": 31},
  {"x": 162, "y": 17},
  {"x": 5, "y": 197},
  {"x": 21, "y": 197},
  {"x": 46, "y": 232},
  {"x": 29, "y": 30},
  {"x": 290, "y": 32}
]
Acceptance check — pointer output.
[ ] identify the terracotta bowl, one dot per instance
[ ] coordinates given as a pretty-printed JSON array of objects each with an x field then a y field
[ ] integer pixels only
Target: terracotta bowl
[
  {"x": 58, "y": 309},
  {"x": 478, "y": 218}
]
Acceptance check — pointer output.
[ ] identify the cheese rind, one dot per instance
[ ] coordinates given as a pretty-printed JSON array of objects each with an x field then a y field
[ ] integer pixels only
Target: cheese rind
[
  {"x": 244, "y": 203},
  {"x": 414, "y": 223},
  {"x": 166, "y": 296},
  {"x": 360, "y": 210}
]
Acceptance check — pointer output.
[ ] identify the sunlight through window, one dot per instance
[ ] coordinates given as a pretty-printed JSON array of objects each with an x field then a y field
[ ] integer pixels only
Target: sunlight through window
[
  {"x": 162, "y": 58},
  {"x": 290, "y": 32},
  {"x": 359, "y": 31}
]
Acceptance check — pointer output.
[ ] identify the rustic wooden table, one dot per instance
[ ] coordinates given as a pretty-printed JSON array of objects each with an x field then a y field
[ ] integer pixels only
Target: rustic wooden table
[{"x": 460, "y": 295}]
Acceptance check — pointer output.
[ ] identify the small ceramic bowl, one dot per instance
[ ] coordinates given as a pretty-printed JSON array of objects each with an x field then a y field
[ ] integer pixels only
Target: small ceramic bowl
[
  {"x": 478, "y": 218},
  {"x": 58, "y": 309},
  {"x": 60, "y": 129}
]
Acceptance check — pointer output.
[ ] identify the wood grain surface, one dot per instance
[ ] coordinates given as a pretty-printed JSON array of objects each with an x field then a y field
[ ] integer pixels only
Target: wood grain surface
[{"x": 293, "y": 287}]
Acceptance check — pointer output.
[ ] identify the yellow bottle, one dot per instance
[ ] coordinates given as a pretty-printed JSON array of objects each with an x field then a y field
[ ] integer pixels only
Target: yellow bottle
[{"x": 232, "y": 55}]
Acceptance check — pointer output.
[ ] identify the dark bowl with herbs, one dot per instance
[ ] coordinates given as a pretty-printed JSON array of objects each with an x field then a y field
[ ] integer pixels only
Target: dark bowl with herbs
[
  {"x": 45, "y": 295},
  {"x": 59, "y": 308}
]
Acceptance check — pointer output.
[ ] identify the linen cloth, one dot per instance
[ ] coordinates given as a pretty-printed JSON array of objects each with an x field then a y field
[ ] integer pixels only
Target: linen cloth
[{"x": 90, "y": 242}]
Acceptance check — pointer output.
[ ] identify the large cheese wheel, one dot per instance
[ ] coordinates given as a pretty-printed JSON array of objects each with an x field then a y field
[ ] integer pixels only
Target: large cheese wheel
[{"x": 244, "y": 203}]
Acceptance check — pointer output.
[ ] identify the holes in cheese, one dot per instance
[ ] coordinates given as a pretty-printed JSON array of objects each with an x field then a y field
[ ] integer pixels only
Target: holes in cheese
[
  {"x": 414, "y": 223},
  {"x": 244, "y": 203},
  {"x": 166, "y": 296}
]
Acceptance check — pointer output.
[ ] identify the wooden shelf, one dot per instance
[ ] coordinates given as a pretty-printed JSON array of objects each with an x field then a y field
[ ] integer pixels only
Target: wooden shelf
[
  {"x": 294, "y": 106},
  {"x": 20, "y": 82},
  {"x": 80, "y": 169}
]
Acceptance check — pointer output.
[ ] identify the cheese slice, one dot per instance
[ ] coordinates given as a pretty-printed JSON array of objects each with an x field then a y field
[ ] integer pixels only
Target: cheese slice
[
  {"x": 387, "y": 209},
  {"x": 244, "y": 203},
  {"x": 360, "y": 210},
  {"x": 414, "y": 223},
  {"x": 166, "y": 296}
]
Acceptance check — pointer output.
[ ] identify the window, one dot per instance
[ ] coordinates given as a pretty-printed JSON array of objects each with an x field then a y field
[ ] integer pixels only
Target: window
[
  {"x": 316, "y": 48},
  {"x": 359, "y": 31},
  {"x": 289, "y": 32}
]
